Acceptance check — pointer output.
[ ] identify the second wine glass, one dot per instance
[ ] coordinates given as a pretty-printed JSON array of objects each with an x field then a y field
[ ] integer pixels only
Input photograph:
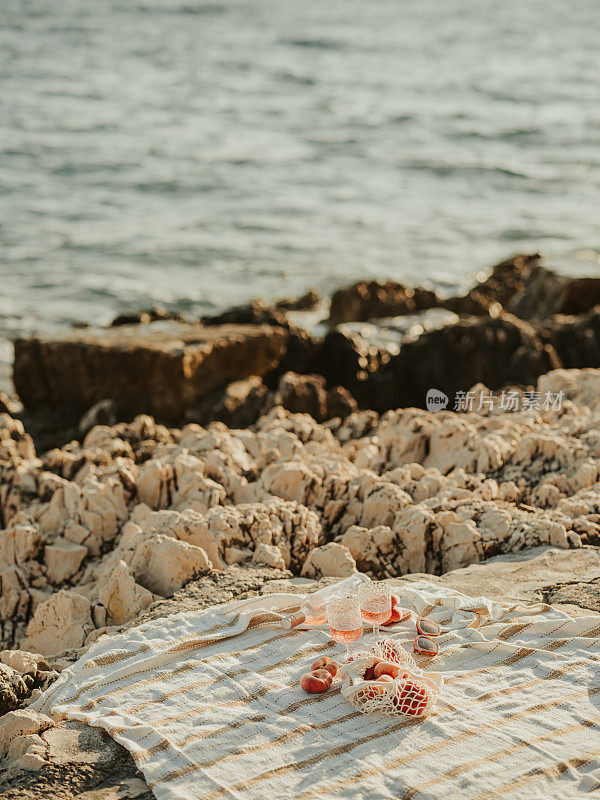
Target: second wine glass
[
  {"x": 375, "y": 601},
  {"x": 345, "y": 623}
]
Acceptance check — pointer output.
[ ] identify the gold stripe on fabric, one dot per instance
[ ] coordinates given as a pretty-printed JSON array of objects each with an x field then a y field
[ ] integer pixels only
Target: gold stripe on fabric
[
  {"x": 523, "y": 651},
  {"x": 234, "y": 674},
  {"x": 85, "y": 688},
  {"x": 555, "y": 771},
  {"x": 175, "y": 774},
  {"x": 256, "y": 718},
  {"x": 513, "y": 630},
  {"x": 241, "y": 670},
  {"x": 437, "y": 746},
  {"x": 556, "y": 673},
  {"x": 120, "y": 655},
  {"x": 517, "y": 656},
  {"x": 560, "y": 642},
  {"x": 294, "y": 707},
  {"x": 140, "y": 755},
  {"x": 261, "y": 618},
  {"x": 123, "y": 655},
  {"x": 168, "y": 674},
  {"x": 493, "y": 757},
  {"x": 283, "y": 739}
]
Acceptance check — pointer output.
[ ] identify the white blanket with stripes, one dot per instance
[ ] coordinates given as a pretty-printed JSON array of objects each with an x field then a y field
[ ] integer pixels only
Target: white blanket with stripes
[{"x": 210, "y": 707}]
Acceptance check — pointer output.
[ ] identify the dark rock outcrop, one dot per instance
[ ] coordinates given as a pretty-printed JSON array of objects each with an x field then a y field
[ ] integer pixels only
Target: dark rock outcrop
[
  {"x": 504, "y": 281},
  {"x": 545, "y": 293},
  {"x": 366, "y": 300},
  {"x": 494, "y": 351},
  {"x": 306, "y": 302},
  {"x": 576, "y": 340},
  {"x": 154, "y": 314},
  {"x": 344, "y": 360},
  {"x": 471, "y": 304},
  {"x": 240, "y": 404},
  {"x": 237, "y": 405},
  {"x": 299, "y": 356},
  {"x": 257, "y": 312},
  {"x": 373, "y": 299},
  {"x": 232, "y": 366},
  {"x": 162, "y": 370},
  {"x": 104, "y": 412},
  {"x": 308, "y": 394}
]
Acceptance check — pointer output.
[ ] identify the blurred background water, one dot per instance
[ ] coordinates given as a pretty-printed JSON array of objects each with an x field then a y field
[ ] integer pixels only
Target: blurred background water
[{"x": 198, "y": 154}]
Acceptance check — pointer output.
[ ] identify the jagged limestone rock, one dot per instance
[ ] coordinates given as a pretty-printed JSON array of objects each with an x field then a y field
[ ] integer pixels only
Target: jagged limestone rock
[{"x": 92, "y": 531}]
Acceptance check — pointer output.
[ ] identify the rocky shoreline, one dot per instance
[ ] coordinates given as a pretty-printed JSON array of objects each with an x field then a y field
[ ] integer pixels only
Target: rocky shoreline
[
  {"x": 96, "y": 531},
  {"x": 277, "y": 455},
  {"x": 373, "y": 346}
]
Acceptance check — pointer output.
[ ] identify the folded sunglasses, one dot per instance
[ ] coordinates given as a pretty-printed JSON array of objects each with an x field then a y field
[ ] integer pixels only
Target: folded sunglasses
[{"x": 424, "y": 644}]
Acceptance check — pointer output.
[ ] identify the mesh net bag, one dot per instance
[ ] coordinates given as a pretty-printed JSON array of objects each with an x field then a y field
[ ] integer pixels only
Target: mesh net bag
[
  {"x": 412, "y": 693},
  {"x": 388, "y": 650}
]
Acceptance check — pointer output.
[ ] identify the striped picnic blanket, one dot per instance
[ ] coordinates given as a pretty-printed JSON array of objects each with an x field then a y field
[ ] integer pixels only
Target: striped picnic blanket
[{"x": 209, "y": 706}]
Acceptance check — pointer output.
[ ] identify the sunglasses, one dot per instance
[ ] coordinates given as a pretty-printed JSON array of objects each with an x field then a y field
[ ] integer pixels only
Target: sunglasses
[{"x": 424, "y": 644}]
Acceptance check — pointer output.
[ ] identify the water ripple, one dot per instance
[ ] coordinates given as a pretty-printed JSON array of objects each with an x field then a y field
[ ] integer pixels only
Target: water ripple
[{"x": 201, "y": 153}]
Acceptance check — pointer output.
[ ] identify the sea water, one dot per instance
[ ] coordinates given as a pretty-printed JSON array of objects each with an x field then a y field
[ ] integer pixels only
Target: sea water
[{"x": 198, "y": 154}]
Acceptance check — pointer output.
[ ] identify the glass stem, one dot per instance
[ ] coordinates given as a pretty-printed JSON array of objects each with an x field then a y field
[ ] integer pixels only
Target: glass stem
[{"x": 375, "y": 632}]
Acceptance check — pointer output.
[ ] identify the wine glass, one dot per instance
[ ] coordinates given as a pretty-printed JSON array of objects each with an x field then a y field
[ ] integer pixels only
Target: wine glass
[
  {"x": 375, "y": 601},
  {"x": 345, "y": 623}
]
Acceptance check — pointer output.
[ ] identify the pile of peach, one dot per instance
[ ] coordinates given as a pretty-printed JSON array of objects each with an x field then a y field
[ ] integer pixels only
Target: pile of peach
[
  {"x": 323, "y": 671},
  {"x": 409, "y": 695},
  {"x": 321, "y": 675}
]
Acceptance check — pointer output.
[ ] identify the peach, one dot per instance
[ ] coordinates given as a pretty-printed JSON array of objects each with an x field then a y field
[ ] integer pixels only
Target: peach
[
  {"x": 369, "y": 672},
  {"x": 412, "y": 699},
  {"x": 396, "y": 617},
  {"x": 323, "y": 674},
  {"x": 316, "y": 682},
  {"x": 326, "y": 663},
  {"x": 385, "y": 679},
  {"x": 386, "y": 668},
  {"x": 375, "y": 689}
]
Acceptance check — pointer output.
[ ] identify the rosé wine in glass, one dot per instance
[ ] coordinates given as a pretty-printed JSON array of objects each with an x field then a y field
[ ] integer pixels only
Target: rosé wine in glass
[
  {"x": 344, "y": 637},
  {"x": 375, "y": 601},
  {"x": 375, "y": 617},
  {"x": 345, "y": 623}
]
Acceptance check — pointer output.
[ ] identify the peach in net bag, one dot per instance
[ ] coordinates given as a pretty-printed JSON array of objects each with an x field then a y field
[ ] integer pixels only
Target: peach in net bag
[{"x": 413, "y": 693}]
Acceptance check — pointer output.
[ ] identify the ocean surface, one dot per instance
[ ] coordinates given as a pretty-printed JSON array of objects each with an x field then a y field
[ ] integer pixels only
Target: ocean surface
[{"x": 197, "y": 154}]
